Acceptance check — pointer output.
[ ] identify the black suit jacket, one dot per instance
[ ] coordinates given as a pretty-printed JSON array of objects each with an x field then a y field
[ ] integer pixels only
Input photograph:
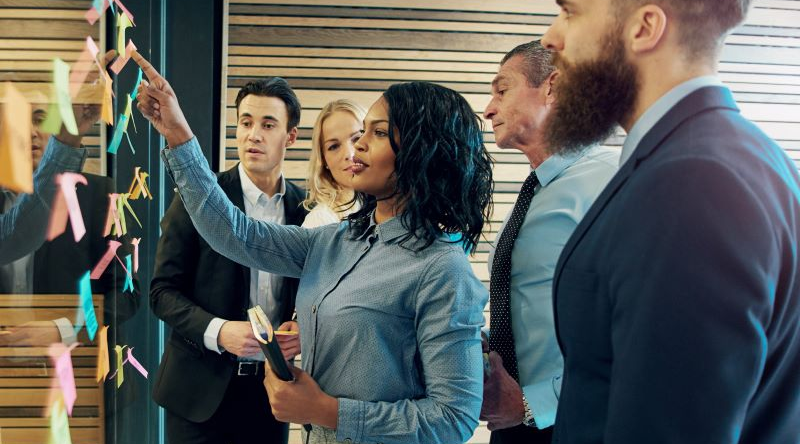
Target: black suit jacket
[
  {"x": 677, "y": 297},
  {"x": 59, "y": 264},
  {"x": 192, "y": 284}
]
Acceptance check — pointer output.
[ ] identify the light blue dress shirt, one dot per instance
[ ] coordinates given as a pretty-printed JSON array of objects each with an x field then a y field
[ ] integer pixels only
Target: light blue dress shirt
[
  {"x": 567, "y": 188},
  {"x": 392, "y": 333},
  {"x": 22, "y": 228},
  {"x": 658, "y": 109}
]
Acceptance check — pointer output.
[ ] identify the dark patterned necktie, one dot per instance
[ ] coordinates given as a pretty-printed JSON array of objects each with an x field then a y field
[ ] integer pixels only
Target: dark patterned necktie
[{"x": 501, "y": 338}]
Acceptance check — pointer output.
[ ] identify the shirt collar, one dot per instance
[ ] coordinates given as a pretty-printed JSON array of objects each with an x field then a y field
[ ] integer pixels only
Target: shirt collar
[
  {"x": 386, "y": 231},
  {"x": 552, "y": 167},
  {"x": 659, "y": 109},
  {"x": 251, "y": 191}
]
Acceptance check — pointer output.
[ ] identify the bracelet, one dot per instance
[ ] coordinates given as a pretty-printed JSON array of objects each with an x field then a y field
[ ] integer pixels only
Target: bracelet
[{"x": 528, "y": 420}]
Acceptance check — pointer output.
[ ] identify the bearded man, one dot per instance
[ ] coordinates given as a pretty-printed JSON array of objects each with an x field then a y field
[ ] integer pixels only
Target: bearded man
[{"x": 677, "y": 298}]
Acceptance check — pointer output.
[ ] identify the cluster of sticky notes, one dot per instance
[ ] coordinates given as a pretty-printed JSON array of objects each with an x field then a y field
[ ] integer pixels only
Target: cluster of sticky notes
[
  {"x": 116, "y": 221},
  {"x": 122, "y": 358},
  {"x": 16, "y": 165},
  {"x": 139, "y": 185}
]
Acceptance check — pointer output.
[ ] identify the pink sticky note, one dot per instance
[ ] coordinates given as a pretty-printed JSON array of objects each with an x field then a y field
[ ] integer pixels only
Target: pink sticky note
[
  {"x": 66, "y": 377},
  {"x": 80, "y": 70},
  {"x": 124, "y": 9},
  {"x": 92, "y": 46},
  {"x": 92, "y": 15},
  {"x": 135, "y": 242},
  {"x": 122, "y": 60},
  {"x": 65, "y": 196},
  {"x": 110, "y": 254},
  {"x": 131, "y": 360}
]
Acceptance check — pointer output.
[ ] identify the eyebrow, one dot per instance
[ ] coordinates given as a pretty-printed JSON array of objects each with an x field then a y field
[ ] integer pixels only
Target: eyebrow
[
  {"x": 375, "y": 122},
  {"x": 267, "y": 117},
  {"x": 499, "y": 78},
  {"x": 334, "y": 139},
  {"x": 562, "y": 3}
]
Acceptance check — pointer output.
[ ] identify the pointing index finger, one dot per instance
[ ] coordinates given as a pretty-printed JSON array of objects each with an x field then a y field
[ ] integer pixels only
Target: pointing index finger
[{"x": 147, "y": 68}]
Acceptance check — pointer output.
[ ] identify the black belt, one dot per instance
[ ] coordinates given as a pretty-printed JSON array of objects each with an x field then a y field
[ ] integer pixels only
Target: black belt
[{"x": 250, "y": 368}]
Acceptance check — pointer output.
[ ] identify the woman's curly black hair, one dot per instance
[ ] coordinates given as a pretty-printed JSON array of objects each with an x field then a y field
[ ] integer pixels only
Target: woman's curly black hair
[{"x": 442, "y": 169}]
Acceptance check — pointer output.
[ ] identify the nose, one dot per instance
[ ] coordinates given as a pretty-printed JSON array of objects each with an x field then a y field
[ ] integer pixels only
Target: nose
[
  {"x": 360, "y": 144},
  {"x": 254, "y": 134},
  {"x": 349, "y": 150},
  {"x": 552, "y": 38},
  {"x": 491, "y": 110}
]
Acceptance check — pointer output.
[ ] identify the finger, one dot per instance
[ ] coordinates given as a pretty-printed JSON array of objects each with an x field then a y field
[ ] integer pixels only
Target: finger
[
  {"x": 163, "y": 97},
  {"x": 108, "y": 57},
  {"x": 495, "y": 360},
  {"x": 147, "y": 68}
]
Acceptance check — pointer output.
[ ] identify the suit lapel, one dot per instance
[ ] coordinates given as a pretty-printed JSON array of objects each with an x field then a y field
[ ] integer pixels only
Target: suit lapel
[
  {"x": 231, "y": 184},
  {"x": 704, "y": 99}
]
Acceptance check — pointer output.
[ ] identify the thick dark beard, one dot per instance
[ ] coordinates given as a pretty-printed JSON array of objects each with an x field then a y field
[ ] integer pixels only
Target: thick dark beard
[{"x": 592, "y": 98}]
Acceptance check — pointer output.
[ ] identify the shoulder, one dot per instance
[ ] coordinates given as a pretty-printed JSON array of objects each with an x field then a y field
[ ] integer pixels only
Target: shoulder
[{"x": 320, "y": 215}]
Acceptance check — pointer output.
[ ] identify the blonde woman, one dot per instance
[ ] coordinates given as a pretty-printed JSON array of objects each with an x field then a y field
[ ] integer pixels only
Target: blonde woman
[{"x": 330, "y": 168}]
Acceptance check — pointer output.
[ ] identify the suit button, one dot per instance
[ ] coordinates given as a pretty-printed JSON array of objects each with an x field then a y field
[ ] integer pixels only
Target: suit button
[{"x": 313, "y": 309}]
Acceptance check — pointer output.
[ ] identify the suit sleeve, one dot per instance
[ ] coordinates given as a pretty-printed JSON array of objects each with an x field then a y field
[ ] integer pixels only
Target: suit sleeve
[
  {"x": 174, "y": 274},
  {"x": 691, "y": 309}
]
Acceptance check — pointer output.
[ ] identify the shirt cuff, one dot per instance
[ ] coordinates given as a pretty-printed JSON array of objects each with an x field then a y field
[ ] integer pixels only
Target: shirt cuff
[
  {"x": 67, "y": 158},
  {"x": 66, "y": 331},
  {"x": 350, "y": 423},
  {"x": 211, "y": 335},
  {"x": 542, "y": 398},
  {"x": 182, "y": 156}
]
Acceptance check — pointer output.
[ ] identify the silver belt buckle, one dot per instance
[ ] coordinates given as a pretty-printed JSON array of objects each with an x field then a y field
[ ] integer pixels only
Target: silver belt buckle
[{"x": 244, "y": 365}]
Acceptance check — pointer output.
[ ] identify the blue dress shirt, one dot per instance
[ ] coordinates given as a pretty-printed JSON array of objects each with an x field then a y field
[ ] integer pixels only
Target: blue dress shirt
[
  {"x": 392, "y": 333},
  {"x": 568, "y": 185}
]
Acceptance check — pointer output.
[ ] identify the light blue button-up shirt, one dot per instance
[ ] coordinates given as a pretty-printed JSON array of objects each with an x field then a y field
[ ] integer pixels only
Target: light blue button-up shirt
[
  {"x": 567, "y": 188},
  {"x": 392, "y": 333},
  {"x": 22, "y": 228},
  {"x": 658, "y": 109}
]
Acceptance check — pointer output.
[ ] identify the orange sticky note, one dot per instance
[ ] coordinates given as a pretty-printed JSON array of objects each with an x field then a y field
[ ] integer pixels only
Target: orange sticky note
[
  {"x": 66, "y": 203},
  {"x": 103, "y": 365},
  {"x": 139, "y": 185},
  {"x": 122, "y": 60},
  {"x": 107, "y": 110},
  {"x": 16, "y": 164}
]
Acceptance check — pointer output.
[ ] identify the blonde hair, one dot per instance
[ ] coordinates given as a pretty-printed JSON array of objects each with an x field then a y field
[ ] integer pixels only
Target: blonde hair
[{"x": 322, "y": 188}]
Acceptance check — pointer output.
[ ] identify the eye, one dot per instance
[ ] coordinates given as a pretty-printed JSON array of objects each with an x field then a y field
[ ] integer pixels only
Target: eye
[
  {"x": 268, "y": 125},
  {"x": 566, "y": 12},
  {"x": 501, "y": 92},
  {"x": 380, "y": 133},
  {"x": 245, "y": 123},
  {"x": 333, "y": 147},
  {"x": 356, "y": 137}
]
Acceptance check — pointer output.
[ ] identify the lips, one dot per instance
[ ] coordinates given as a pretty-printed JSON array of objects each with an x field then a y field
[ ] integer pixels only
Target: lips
[
  {"x": 253, "y": 151},
  {"x": 357, "y": 166}
]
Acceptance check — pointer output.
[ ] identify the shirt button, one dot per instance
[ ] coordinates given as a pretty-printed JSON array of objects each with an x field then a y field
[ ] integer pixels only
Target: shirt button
[{"x": 313, "y": 309}]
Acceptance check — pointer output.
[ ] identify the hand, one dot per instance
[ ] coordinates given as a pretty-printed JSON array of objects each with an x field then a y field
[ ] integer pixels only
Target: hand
[
  {"x": 300, "y": 401},
  {"x": 158, "y": 104},
  {"x": 502, "y": 397},
  {"x": 86, "y": 114},
  {"x": 290, "y": 344},
  {"x": 32, "y": 334},
  {"x": 237, "y": 338}
]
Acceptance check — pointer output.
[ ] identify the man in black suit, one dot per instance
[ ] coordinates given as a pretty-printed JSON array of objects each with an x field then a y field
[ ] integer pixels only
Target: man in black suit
[
  {"x": 677, "y": 298},
  {"x": 210, "y": 377}
]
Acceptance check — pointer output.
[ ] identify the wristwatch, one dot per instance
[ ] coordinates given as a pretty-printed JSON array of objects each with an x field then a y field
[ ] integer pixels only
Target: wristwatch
[{"x": 528, "y": 420}]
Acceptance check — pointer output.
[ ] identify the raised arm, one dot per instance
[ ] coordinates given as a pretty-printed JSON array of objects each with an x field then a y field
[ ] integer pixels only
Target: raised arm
[{"x": 278, "y": 249}]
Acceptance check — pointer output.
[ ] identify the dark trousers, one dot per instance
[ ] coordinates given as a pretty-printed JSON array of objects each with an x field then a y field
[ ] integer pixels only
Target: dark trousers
[
  {"x": 522, "y": 435},
  {"x": 243, "y": 417}
]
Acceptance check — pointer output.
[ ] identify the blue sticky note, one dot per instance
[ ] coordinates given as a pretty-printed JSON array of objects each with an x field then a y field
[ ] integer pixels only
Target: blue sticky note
[
  {"x": 98, "y": 5},
  {"x": 136, "y": 85},
  {"x": 85, "y": 290},
  {"x": 118, "y": 131},
  {"x": 129, "y": 275},
  {"x": 111, "y": 5}
]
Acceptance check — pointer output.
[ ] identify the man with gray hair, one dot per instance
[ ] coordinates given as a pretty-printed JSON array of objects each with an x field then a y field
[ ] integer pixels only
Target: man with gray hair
[{"x": 523, "y": 377}]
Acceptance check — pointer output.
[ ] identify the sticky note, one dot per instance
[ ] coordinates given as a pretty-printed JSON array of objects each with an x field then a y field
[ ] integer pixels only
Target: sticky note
[
  {"x": 62, "y": 362},
  {"x": 122, "y": 60},
  {"x": 128, "y": 275},
  {"x": 81, "y": 68},
  {"x": 109, "y": 255},
  {"x": 135, "y": 242},
  {"x": 107, "y": 110},
  {"x": 122, "y": 202},
  {"x": 136, "y": 363},
  {"x": 139, "y": 185},
  {"x": 123, "y": 23},
  {"x": 124, "y": 10},
  {"x": 97, "y": 10},
  {"x": 59, "y": 424},
  {"x": 65, "y": 202},
  {"x": 85, "y": 291},
  {"x": 122, "y": 124},
  {"x": 112, "y": 217},
  {"x": 120, "y": 374},
  {"x": 61, "y": 84},
  {"x": 102, "y": 354},
  {"x": 137, "y": 83},
  {"x": 16, "y": 165}
]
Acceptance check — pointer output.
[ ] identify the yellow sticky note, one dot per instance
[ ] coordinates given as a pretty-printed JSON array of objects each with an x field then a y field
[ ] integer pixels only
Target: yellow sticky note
[
  {"x": 16, "y": 165},
  {"x": 120, "y": 372},
  {"x": 107, "y": 110},
  {"x": 102, "y": 354},
  {"x": 59, "y": 424},
  {"x": 123, "y": 23}
]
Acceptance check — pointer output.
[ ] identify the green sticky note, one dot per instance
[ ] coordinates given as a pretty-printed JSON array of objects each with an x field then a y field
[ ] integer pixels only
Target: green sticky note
[
  {"x": 59, "y": 424},
  {"x": 61, "y": 83},
  {"x": 120, "y": 372},
  {"x": 123, "y": 23}
]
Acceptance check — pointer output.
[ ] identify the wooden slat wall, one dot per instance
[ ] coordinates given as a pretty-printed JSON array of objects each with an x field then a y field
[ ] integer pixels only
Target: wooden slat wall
[
  {"x": 26, "y": 375},
  {"x": 356, "y": 48},
  {"x": 32, "y": 33}
]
